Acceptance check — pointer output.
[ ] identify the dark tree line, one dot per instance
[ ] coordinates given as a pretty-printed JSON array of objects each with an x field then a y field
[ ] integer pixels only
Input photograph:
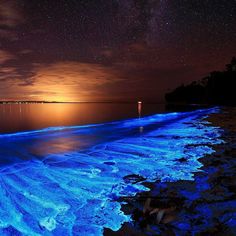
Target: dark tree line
[{"x": 217, "y": 88}]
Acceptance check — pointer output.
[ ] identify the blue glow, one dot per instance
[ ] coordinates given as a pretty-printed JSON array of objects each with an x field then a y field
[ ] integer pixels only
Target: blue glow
[{"x": 65, "y": 180}]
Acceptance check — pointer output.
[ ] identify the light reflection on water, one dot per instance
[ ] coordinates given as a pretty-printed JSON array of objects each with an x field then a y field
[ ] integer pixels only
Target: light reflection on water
[
  {"x": 66, "y": 180},
  {"x": 20, "y": 117}
]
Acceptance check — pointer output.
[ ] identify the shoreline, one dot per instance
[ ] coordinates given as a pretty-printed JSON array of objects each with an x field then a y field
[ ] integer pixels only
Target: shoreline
[{"x": 205, "y": 206}]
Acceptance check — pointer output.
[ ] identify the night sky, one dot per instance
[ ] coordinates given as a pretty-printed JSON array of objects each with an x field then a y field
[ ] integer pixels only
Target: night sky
[{"x": 84, "y": 50}]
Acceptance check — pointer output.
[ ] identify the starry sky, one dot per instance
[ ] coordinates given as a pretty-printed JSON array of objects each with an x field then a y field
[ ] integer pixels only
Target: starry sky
[{"x": 110, "y": 50}]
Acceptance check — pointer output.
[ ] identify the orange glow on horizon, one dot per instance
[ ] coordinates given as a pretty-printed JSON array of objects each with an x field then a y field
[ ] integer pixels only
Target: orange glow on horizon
[{"x": 62, "y": 82}]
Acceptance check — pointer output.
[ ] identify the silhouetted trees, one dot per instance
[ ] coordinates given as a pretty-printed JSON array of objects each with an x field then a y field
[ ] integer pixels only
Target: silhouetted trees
[
  {"x": 232, "y": 65},
  {"x": 217, "y": 88}
]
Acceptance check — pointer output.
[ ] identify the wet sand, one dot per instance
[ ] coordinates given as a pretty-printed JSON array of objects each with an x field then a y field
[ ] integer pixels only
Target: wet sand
[{"x": 205, "y": 206}]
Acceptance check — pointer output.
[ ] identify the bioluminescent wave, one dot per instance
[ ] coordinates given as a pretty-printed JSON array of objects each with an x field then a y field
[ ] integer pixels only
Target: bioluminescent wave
[{"x": 66, "y": 180}]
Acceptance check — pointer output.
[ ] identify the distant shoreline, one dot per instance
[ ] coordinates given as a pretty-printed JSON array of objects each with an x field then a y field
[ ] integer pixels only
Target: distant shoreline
[{"x": 42, "y": 102}]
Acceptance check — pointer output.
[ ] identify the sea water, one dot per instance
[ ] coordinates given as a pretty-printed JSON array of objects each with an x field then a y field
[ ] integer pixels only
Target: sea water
[{"x": 67, "y": 180}]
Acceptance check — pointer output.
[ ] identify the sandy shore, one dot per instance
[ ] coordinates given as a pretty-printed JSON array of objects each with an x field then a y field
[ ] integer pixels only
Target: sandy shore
[{"x": 205, "y": 206}]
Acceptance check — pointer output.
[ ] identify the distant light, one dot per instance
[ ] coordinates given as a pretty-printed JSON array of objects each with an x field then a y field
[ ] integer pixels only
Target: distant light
[{"x": 139, "y": 102}]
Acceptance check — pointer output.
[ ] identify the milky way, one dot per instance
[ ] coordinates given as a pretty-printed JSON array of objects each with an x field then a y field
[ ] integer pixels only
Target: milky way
[{"x": 129, "y": 49}]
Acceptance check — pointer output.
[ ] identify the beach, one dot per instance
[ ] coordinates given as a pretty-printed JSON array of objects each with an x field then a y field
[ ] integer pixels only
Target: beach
[
  {"x": 164, "y": 174},
  {"x": 77, "y": 180},
  {"x": 204, "y": 206}
]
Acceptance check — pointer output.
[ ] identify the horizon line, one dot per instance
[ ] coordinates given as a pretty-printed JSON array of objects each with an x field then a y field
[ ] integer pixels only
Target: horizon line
[{"x": 42, "y": 101}]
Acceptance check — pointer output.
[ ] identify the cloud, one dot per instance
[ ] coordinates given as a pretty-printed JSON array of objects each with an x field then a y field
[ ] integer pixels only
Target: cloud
[
  {"x": 10, "y": 15},
  {"x": 72, "y": 80},
  {"x": 5, "y": 56},
  {"x": 61, "y": 81},
  {"x": 85, "y": 75}
]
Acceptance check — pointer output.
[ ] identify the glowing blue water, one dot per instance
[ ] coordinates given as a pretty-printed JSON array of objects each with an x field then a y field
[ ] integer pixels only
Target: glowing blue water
[{"x": 66, "y": 180}]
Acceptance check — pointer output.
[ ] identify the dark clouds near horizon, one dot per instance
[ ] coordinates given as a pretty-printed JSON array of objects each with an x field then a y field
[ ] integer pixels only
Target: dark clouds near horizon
[{"x": 110, "y": 50}]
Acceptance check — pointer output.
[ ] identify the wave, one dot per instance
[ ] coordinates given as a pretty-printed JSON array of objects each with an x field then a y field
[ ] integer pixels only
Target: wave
[{"x": 67, "y": 180}]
